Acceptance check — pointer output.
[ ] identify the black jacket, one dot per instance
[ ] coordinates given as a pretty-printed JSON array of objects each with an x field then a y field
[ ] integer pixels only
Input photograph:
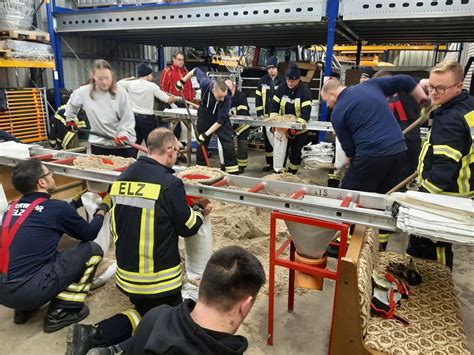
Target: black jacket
[
  {"x": 296, "y": 101},
  {"x": 266, "y": 88},
  {"x": 240, "y": 105},
  {"x": 149, "y": 213},
  {"x": 171, "y": 330},
  {"x": 36, "y": 242},
  {"x": 446, "y": 164}
]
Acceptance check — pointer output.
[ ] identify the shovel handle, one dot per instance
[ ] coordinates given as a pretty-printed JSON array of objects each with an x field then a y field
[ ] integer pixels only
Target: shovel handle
[
  {"x": 203, "y": 149},
  {"x": 102, "y": 135}
]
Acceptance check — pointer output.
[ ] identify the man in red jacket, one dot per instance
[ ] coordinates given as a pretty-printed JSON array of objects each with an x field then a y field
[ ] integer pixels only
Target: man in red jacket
[
  {"x": 169, "y": 77},
  {"x": 172, "y": 74}
]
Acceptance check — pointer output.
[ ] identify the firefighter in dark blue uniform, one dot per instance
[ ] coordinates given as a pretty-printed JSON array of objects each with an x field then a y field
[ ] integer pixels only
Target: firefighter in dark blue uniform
[
  {"x": 213, "y": 117},
  {"x": 240, "y": 107},
  {"x": 293, "y": 98},
  {"x": 446, "y": 162},
  {"x": 32, "y": 271},
  {"x": 149, "y": 213},
  {"x": 267, "y": 85}
]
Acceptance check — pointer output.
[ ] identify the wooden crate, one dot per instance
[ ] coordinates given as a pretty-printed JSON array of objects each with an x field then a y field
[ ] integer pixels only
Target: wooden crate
[{"x": 23, "y": 35}]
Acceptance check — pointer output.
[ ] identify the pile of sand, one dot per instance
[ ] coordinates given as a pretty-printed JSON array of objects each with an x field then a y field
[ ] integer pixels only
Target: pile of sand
[
  {"x": 102, "y": 162},
  {"x": 211, "y": 173},
  {"x": 283, "y": 118}
]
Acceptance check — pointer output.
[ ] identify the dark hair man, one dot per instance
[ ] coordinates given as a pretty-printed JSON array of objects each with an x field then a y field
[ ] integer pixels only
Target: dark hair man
[
  {"x": 228, "y": 289},
  {"x": 293, "y": 98},
  {"x": 213, "y": 117},
  {"x": 32, "y": 271},
  {"x": 149, "y": 213},
  {"x": 266, "y": 88}
]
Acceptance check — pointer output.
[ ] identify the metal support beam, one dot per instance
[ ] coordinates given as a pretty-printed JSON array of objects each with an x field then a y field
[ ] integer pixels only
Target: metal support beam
[
  {"x": 161, "y": 58},
  {"x": 359, "y": 52},
  {"x": 58, "y": 74},
  {"x": 332, "y": 12}
]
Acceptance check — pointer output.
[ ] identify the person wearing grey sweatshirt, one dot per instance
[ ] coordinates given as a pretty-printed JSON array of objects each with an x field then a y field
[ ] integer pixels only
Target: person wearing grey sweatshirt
[{"x": 108, "y": 109}]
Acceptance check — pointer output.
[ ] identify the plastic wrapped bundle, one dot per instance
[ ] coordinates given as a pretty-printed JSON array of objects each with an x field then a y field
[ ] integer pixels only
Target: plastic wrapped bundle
[
  {"x": 27, "y": 50},
  {"x": 16, "y": 14}
]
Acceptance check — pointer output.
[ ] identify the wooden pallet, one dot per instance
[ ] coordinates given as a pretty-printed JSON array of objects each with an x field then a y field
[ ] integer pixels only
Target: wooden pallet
[
  {"x": 23, "y": 35},
  {"x": 6, "y": 53}
]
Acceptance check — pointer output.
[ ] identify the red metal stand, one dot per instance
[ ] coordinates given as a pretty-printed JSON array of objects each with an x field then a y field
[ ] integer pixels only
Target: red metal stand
[{"x": 276, "y": 260}]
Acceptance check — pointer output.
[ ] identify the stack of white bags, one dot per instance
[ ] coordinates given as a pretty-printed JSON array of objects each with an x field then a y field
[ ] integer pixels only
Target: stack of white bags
[{"x": 438, "y": 217}]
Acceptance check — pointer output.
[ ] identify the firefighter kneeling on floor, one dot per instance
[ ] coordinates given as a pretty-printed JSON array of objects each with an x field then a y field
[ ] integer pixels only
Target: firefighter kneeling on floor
[
  {"x": 32, "y": 271},
  {"x": 293, "y": 98}
]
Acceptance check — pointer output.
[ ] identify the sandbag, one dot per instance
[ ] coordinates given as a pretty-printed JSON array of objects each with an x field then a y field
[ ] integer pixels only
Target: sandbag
[
  {"x": 198, "y": 250},
  {"x": 91, "y": 202},
  {"x": 280, "y": 143}
]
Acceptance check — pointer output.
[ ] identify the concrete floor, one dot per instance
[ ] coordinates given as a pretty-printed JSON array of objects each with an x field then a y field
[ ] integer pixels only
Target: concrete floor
[{"x": 304, "y": 331}]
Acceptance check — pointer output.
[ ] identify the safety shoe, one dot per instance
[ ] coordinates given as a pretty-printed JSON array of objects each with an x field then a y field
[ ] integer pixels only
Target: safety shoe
[
  {"x": 82, "y": 337},
  {"x": 21, "y": 317},
  {"x": 110, "y": 350},
  {"x": 60, "y": 318},
  {"x": 267, "y": 168},
  {"x": 241, "y": 169}
]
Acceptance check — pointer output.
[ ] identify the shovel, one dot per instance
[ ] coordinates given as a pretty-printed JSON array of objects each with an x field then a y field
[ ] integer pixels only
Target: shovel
[
  {"x": 203, "y": 149},
  {"x": 102, "y": 135}
]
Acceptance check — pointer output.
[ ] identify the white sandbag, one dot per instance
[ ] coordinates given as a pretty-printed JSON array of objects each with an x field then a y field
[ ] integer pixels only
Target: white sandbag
[
  {"x": 101, "y": 280},
  {"x": 280, "y": 143},
  {"x": 3, "y": 201},
  {"x": 91, "y": 202},
  {"x": 198, "y": 250},
  {"x": 220, "y": 151},
  {"x": 189, "y": 291},
  {"x": 270, "y": 135},
  {"x": 341, "y": 156}
]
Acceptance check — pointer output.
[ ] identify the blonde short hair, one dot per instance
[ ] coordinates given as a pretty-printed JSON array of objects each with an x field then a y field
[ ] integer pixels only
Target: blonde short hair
[{"x": 450, "y": 67}]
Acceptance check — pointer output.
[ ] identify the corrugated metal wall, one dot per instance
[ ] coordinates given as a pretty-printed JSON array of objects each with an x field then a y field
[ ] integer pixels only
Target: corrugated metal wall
[
  {"x": 124, "y": 58},
  {"x": 414, "y": 58},
  {"x": 467, "y": 53}
]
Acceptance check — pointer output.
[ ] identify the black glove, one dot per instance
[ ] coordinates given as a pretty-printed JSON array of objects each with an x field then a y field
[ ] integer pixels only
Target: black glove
[
  {"x": 180, "y": 84},
  {"x": 76, "y": 201},
  {"x": 202, "y": 138},
  {"x": 198, "y": 208},
  {"x": 105, "y": 205}
]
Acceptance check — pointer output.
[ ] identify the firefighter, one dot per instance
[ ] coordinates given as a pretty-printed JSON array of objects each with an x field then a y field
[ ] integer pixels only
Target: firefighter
[
  {"x": 32, "y": 271},
  {"x": 240, "y": 107},
  {"x": 293, "y": 98},
  {"x": 447, "y": 156},
  {"x": 267, "y": 85},
  {"x": 368, "y": 133},
  {"x": 142, "y": 93},
  {"x": 149, "y": 213},
  {"x": 213, "y": 117},
  {"x": 63, "y": 136},
  {"x": 406, "y": 111}
]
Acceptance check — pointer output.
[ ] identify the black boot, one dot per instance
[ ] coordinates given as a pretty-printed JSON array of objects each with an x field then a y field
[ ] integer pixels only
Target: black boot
[
  {"x": 241, "y": 169},
  {"x": 20, "y": 317},
  {"x": 81, "y": 338},
  {"x": 59, "y": 318},
  {"x": 267, "y": 168}
]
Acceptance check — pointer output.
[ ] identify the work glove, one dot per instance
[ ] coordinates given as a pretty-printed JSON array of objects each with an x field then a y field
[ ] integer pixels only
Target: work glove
[
  {"x": 72, "y": 126},
  {"x": 179, "y": 100},
  {"x": 105, "y": 205},
  {"x": 202, "y": 138},
  {"x": 180, "y": 84},
  {"x": 120, "y": 140},
  {"x": 76, "y": 201},
  {"x": 198, "y": 208},
  {"x": 291, "y": 133}
]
